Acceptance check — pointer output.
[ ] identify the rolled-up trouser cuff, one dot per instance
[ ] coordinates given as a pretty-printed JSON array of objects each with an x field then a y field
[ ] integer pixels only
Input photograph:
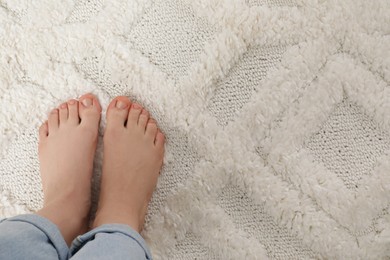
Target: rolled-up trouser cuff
[
  {"x": 50, "y": 230},
  {"x": 126, "y": 230}
]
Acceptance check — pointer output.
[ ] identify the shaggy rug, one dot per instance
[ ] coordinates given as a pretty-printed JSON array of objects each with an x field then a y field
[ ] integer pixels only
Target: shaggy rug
[{"x": 276, "y": 112}]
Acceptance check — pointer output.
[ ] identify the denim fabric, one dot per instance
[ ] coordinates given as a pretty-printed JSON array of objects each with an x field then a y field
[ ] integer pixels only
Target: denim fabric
[
  {"x": 35, "y": 237},
  {"x": 110, "y": 241}
]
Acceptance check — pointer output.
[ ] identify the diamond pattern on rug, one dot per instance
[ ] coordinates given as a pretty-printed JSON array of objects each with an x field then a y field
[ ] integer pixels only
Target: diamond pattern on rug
[
  {"x": 84, "y": 10},
  {"x": 253, "y": 219},
  {"x": 349, "y": 143},
  {"x": 175, "y": 171},
  {"x": 190, "y": 248},
  {"x": 20, "y": 170},
  {"x": 270, "y": 2},
  {"x": 17, "y": 14},
  {"x": 92, "y": 69},
  {"x": 235, "y": 90},
  {"x": 171, "y": 36}
]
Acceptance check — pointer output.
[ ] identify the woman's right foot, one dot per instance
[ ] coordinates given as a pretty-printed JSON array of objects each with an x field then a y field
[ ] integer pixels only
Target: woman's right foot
[
  {"x": 67, "y": 144},
  {"x": 133, "y": 156}
]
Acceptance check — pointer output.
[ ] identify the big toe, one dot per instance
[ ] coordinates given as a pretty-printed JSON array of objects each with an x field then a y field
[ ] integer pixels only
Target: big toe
[
  {"x": 89, "y": 110},
  {"x": 117, "y": 112}
]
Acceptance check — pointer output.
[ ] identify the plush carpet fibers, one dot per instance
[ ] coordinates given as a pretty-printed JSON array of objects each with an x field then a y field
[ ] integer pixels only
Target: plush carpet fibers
[{"x": 276, "y": 112}]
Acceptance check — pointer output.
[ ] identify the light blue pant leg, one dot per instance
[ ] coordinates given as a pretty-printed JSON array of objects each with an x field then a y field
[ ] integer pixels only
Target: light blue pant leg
[
  {"x": 110, "y": 241},
  {"x": 35, "y": 237},
  {"x": 31, "y": 237}
]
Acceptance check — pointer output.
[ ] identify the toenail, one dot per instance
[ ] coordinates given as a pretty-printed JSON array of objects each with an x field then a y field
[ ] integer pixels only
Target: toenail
[
  {"x": 63, "y": 106},
  {"x": 136, "y": 106},
  {"x": 72, "y": 102},
  {"x": 120, "y": 104},
  {"x": 54, "y": 111},
  {"x": 87, "y": 102}
]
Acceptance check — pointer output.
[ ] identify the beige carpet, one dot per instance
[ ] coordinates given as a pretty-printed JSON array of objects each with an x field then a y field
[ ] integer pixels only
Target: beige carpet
[{"x": 277, "y": 114}]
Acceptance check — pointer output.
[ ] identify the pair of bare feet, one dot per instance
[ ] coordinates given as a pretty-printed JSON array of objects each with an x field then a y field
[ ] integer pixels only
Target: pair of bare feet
[{"x": 133, "y": 155}]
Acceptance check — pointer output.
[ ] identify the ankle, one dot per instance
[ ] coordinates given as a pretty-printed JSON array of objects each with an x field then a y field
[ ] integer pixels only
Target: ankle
[
  {"x": 70, "y": 223},
  {"x": 115, "y": 216},
  {"x": 73, "y": 195}
]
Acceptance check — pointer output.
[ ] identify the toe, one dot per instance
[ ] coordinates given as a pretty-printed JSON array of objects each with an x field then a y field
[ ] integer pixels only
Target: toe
[
  {"x": 73, "y": 112},
  {"x": 53, "y": 120},
  {"x": 160, "y": 140},
  {"x": 89, "y": 110},
  {"x": 143, "y": 119},
  {"x": 63, "y": 113},
  {"x": 134, "y": 113},
  {"x": 117, "y": 111},
  {"x": 151, "y": 129},
  {"x": 43, "y": 131}
]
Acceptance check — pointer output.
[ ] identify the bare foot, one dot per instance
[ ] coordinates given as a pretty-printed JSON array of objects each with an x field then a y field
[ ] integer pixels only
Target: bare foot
[
  {"x": 133, "y": 155},
  {"x": 67, "y": 144}
]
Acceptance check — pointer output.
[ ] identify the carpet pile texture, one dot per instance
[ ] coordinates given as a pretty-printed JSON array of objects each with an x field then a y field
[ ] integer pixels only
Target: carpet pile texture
[{"x": 276, "y": 112}]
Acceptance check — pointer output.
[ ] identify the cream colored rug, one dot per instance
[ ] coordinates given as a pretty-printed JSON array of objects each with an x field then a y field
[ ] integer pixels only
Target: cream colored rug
[{"x": 277, "y": 114}]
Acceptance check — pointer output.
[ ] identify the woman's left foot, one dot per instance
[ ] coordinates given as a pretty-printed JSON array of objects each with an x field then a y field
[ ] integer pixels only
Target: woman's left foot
[{"x": 67, "y": 144}]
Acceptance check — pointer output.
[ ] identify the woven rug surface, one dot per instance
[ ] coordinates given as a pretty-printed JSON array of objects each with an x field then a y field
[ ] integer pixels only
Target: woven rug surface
[{"x": 276, "y": 112}]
